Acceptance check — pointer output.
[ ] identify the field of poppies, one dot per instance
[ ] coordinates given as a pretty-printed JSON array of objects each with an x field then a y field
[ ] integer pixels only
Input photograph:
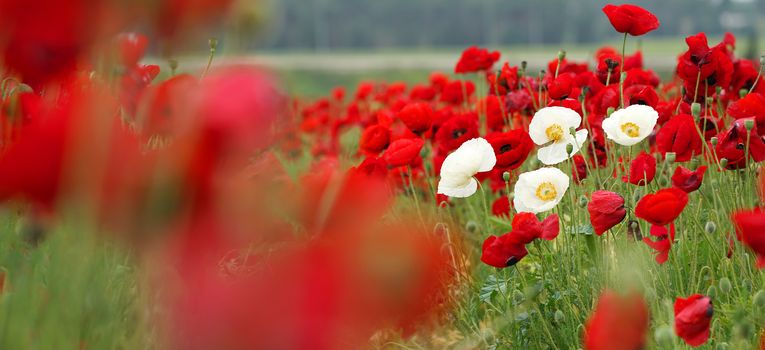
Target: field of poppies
[{"x": 493, "y": 207}]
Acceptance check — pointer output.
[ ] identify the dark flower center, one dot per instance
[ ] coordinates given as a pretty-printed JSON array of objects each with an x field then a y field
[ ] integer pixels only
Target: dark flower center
[
  {"x": 512, "y": 261},
  {"x": 457, "y": 133},
  {"x": 505, "y": 148}
]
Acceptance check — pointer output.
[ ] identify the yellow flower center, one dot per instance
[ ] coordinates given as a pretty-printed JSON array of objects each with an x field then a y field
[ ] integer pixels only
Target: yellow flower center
[
  {"x": 631, "y": 129},
  {"x": 546, "y": 191},
  {"x": 554, "y": 132}
]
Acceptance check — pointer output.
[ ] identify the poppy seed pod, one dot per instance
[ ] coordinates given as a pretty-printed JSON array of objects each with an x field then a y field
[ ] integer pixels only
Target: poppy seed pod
[
  {"x": 506, "y": 176},
  {"x": 582, "y": 201},
  {"x": 749, "y": 124},
  {"x": 471, "y": 226},
  {"x": 559, "y": 316},
  {"x": 714, "y": 140},
  {"x": 664, "y": 336},
  {"x": 725, "y": 286},
  {"x": 710, "y": 227},
  {"x": 724, "y": 162},
  {"x": 712, "y": 291},
  {"x": 696, "y": 110}
]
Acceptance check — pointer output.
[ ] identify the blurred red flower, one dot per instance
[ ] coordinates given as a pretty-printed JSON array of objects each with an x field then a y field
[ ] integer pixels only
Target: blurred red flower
[
  {"x": 501, "y": 207},
  {"x": 418, "y": 117},
  {"x": 579, "y": 168},
  {"x": 619, "y": 322},
  {"x": 750, "y": 227},
  {"x": 503, "y": 251},
  {"x": 374, "y": 139},
  {"x": 476, "y": 59},
  {"x": 692, "y": 318},
  {"x": 606, "y": 210},
  {"x": 403, "y": 152}
]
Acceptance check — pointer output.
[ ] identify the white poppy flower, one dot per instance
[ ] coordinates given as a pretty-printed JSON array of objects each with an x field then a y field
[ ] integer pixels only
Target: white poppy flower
[
  {"x": 472, "y": 157},
  {"x": 539, "y": 190},
  {"x": 630, "y": 125},
  {"x": 550, "y": 126}
]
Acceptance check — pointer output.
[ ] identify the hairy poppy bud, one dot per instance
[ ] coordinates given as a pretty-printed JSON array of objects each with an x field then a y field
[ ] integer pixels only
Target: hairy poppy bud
[
  {"x": 722, "y": 346},
  {"x": 710, "y": 227},
  {"x": 471, "y": 226},
  {"x": 561, "y": 55},
  {"x": 506, "y": 176},
  {"x": 724, "y": 162},
  {"x": 718, "y": 90},
  {"x": 725, "y": 286},
  {"x": 714, "y": 140},
  {"x": 742, "y": 93},
  {"x": 695, "y": 163},
  {"x": 582, "y": 201},
  {"x": 524, "y": 64},
  {"x": 762, "y": 60},
  {"x": 759, "y": 299},
  {"x": 213, "y": 44},
  {"x": 559, "y": 316},
  {"x": 696, "y": 110},
  {"x": 569, "y": 149},
  {"x": 747, "y": 285},
  {"x": 749, "y": 124},
  {"x": 173, "y": 65},
  {"x": 663, "y": 336}
]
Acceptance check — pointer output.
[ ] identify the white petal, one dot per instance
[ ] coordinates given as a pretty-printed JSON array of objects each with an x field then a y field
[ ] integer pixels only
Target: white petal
[
  {"x": 565, "y": 117},
  {"x": 473, "y": 156},
  {"x": 451, "y": 189},
  {"x": 552, "y": 154}
]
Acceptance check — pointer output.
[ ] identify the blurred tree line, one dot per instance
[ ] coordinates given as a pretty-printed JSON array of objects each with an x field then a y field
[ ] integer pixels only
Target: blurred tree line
[{"x": 332, "y": 24}]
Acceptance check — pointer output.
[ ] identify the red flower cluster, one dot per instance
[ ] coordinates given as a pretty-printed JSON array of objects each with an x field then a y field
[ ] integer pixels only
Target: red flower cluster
[
  {"x": 510, "y": 248},
  {"x": 618, "y": 322}
]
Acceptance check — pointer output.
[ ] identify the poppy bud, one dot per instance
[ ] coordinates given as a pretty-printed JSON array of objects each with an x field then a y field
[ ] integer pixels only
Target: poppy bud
[
  {"x": 506, "y": 176},
  {"x": 582, "y": 201},
  {"x": 569, "y": 149},
  {"x": 609, "y": 111},
  {"x": 724, "y": 162},
  {"x": 636, "y": 195},
  {"x": 664, "y": 336},
  {"x": 722, "y": 346},
  {"x": 749, "y": 124},
  {"x": 517, "y": 297},
  {"x": 710, "y": 227},
  {"x": 696, "y": 110},
  {"x": 742, "y": 93},
  {"x": 762, "y": 60},
  {"x": 695, "y": 163},
  {"x": 759, "y": 299},
  {"x": 561, "y": 55},
  {"x": 623, "y": 77},
  {"x": 663, "y": 182},
  {"x": 712, "y": 291},
  {"x": 524, "y": 64},
  {"x": 213, "y": 44},
  {"x": 714, "y": 141},
  {"x": 744, "y": 330},
  {"x": 559, "y": 316},
  {"x": 718, "y": 90},
  {"x": 633, "y": 230},
  {"x": 725, "y": 286},
  {"x": 747, "y": 285},
  {"x": 471, "y": 226},
  {"x": 670, "y": 157},
  {"x": 173, "y": 65}
]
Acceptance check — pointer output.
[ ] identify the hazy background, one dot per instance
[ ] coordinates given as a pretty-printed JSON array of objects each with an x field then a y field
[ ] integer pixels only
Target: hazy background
[{"x": 319, "y": 43}]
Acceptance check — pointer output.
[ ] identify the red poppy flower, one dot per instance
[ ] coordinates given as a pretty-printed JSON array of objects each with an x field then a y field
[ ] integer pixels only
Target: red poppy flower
[
  {"x": 750, "y": 226},
  {"x": 641, "y": 95},
  {"x": 403, "y": 152},
  {"x": 560, "y": 88},
  {"x": 374, "y": 139},
  {"x": 606, "y": 210},
  {"x": 712, "y": 66},
  {"x": 131, "y": 48},
  {"x": 631, "y": 19},
  {"x": 526, "y": 227},
  {"x": 512, "y": 147},
  {"x": 476, "y": 59},
  {"x": 663, "y": 242},
  {"x": 163, "y": 105},
  {"x": 456, "y": 92},
  {"x": 609, "y": 61},
  {"x": 679, "y": 135},
  {"x": 751, "y": 106},
  {"x": 502, "y": 251},
  {"x": 688, "y": 180},
  {"x": 455, "y": 131},
  {"x": 418, "y": 117},
  {"x": 504, "y": 81},
  {"x": 618, "y": 322},
  {"x": 642, "y": 170},
  {"x": 732, "y": 145},
  {"x": 692, "y": 318},
  {"x": 662, "y": 207},
  {"x": 501, "y": 207},
  {"x": 579, "y": 168}
]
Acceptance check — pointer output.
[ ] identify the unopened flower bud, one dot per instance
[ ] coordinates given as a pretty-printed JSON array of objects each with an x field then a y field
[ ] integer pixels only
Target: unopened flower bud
[
  {"x": 583, "y": 201},
  {"x": 471, "y": 226},
  {"x": 569, "y": 149},
  {"x": 749, "y": 124},
  {"x": 762, "y": 60},
  {"x": 725, "y": 286},
  {"x": 663, "y": 336},
  {"x": 559, "y": 316},
  {"x": 506, "y": 176},
  {"x": 561, "y": 55},
  {"x": 742, "y": 93},
  {"x": 213, "y": 44},
  {"x": 173, "y": 64},
  {"x": 636, "y": 195},
  {"x": 695, "y": 163},
  {"x": 718, "y": 90},
  {"x": 714, "y": 141},
  {"x": 696, "y": 109},
  {"x": 747, "y": 284},
  {"x": 759, "y": 299},
  {"x": 722, "y": 346},
  {"x": 710, "y": 227},
  {"x": 724, "y": 162},
  {"x": 670, "y": 157},
  {"x": 524, "y": 64}
]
